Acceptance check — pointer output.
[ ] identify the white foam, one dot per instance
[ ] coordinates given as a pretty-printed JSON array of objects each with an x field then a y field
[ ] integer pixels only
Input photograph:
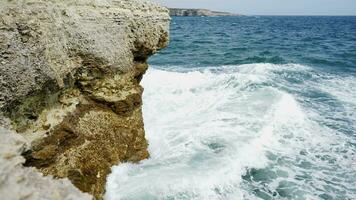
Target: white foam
[{"x": 205, "y": 128}]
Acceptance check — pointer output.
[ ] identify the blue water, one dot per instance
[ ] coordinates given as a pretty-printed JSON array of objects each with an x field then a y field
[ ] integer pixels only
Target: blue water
[
  {"x": 317, "y": 41},
  {"x": 249, "y": 108}
]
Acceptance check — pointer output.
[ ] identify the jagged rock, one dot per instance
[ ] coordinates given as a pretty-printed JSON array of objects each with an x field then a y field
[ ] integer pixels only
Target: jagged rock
[{"x": 69, "y": 82}]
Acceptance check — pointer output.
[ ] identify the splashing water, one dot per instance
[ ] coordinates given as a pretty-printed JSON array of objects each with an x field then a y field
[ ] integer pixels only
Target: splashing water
[{"x": 267, "y": 131}]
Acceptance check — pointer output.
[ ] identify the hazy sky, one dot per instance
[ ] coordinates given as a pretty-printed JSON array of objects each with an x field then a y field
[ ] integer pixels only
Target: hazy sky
[{"x": 270, "y": 7}]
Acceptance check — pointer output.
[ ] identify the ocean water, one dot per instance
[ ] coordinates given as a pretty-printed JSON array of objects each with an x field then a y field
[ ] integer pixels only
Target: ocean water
[{"x": 248, "y": 108}]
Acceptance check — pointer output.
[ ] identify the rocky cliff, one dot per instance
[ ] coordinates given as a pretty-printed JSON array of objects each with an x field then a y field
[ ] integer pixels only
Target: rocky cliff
[
  {"x": 70, "y": 98},
  {"x": 197, "y": 12}
]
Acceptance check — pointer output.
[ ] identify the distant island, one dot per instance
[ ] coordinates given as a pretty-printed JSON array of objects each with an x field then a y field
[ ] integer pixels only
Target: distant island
[{"x": 197, "y": 12}]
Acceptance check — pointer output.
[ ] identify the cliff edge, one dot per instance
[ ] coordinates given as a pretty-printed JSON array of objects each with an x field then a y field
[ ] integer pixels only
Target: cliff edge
[{"x": 70, "y": 100}]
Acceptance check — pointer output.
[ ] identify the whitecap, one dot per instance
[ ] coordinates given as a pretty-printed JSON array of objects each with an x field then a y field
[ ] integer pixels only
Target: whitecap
[{"x": 208, "y": 127}]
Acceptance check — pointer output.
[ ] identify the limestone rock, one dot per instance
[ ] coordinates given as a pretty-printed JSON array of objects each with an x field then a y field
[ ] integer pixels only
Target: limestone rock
[
  {"x": 69, "y": 82},
  {"x": 17, "y": 182}
]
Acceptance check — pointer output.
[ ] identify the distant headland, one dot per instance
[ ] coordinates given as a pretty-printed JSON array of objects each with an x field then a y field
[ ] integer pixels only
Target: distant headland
[{"x": 198, "y": 12}]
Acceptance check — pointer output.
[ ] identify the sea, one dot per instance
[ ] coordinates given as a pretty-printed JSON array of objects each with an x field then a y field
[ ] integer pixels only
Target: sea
[{"x": 250, "y": 107}]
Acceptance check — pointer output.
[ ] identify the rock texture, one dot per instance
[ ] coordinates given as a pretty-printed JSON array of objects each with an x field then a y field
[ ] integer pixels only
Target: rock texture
[
  {"x": 17, "y": 182},
  {"x": 183, "y": 12},
  {"x": 69, "y": 82}
]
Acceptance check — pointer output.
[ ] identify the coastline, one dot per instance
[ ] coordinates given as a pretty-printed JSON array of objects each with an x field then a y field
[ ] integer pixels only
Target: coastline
[{"x": 191, "y": 12}]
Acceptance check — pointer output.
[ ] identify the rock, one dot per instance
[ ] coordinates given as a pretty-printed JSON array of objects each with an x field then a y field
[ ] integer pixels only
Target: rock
[
  {"x": 17, "y": 182},
  {"x": 69, "y": 82}
]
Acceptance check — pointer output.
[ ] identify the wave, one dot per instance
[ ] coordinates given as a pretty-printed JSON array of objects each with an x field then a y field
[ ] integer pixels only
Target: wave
[{"x": 241, "y": 132}]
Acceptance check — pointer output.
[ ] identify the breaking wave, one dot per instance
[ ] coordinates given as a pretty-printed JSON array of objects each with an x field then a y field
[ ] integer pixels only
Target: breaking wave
[{"x": 242, "y": 132}]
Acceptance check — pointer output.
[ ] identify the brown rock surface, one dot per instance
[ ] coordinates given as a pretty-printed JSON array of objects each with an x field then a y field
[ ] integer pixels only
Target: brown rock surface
[{"x": 69, "y": 82}]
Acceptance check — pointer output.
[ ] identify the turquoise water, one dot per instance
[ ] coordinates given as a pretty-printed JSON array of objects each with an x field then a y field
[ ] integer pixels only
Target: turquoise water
[{"x": 249, "y": 108}]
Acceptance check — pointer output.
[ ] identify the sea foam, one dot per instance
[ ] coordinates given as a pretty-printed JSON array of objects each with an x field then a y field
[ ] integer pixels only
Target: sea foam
[{"x": 236, "y": 132}]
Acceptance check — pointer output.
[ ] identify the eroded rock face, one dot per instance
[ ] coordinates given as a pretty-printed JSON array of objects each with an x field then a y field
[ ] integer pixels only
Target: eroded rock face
[{"x": 69, "y": 82}]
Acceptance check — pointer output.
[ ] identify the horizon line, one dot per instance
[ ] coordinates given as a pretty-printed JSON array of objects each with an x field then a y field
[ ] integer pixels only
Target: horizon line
[
  {"x": 305, "y": 15},
  {"x": 243, "y": 14}
]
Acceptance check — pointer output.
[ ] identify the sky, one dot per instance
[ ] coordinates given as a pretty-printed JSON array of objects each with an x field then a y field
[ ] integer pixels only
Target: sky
[{"x": 269, "y": 7}]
